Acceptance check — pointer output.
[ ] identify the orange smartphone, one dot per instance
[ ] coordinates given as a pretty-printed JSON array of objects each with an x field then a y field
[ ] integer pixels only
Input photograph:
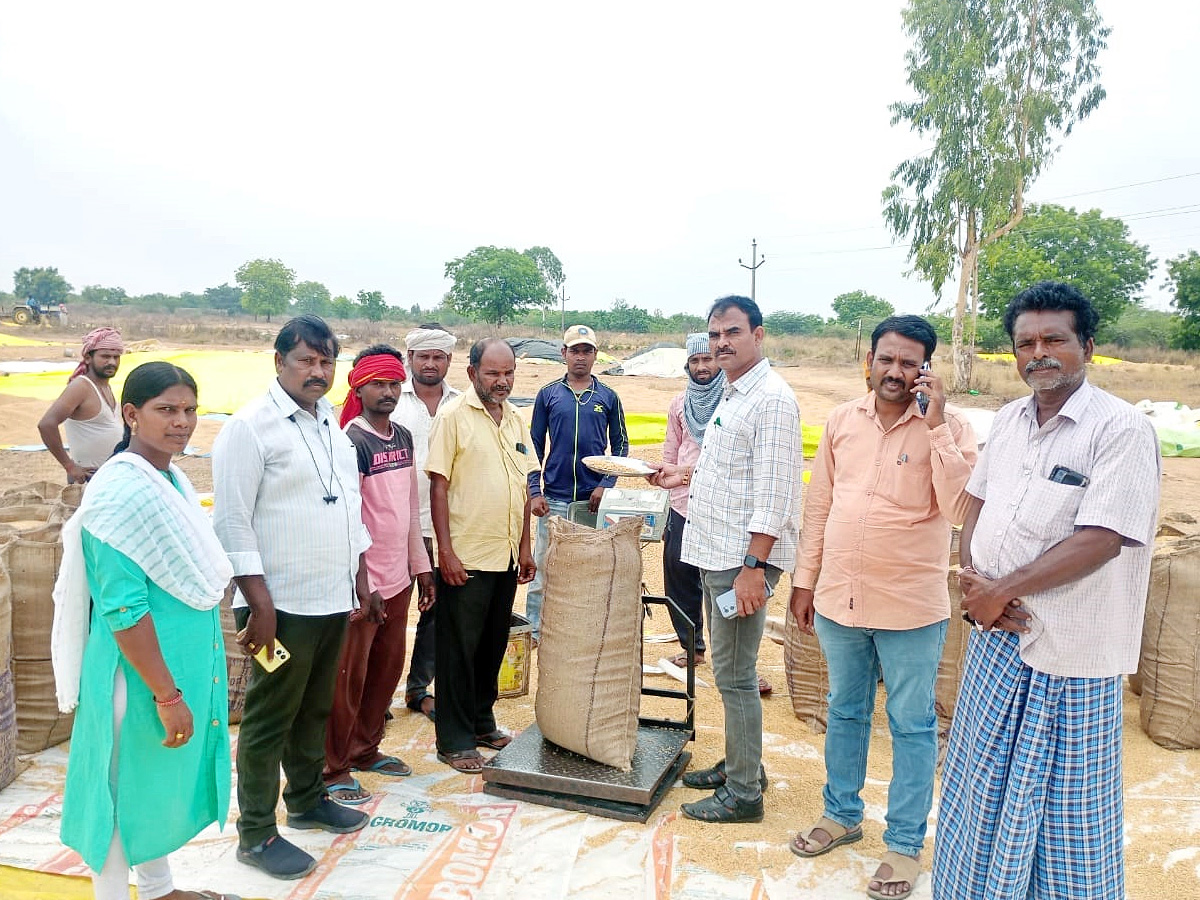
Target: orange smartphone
[{"x": 269, "y": 664}]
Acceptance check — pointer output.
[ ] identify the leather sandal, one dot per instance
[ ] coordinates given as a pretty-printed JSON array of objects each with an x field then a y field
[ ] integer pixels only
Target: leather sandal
[
  {"x": 680, "y": 659},
  {"x": 838, "y": 835},
  {"x": 904, "y": 868},
  {"x": 416, "y": 702},
  {"x": 714, "y": 777},
  {"x": 468, "y": 762},
  {"x": 723, "y": 806},
  {"x": 493, "y": 740}
]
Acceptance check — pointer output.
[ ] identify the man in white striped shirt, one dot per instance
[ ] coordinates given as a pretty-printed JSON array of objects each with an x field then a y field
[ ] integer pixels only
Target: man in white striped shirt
[
  {"x": 288, "y": 511},
  {"x": 1056, "y": 550},
  {"x": 741, "y": 532}
]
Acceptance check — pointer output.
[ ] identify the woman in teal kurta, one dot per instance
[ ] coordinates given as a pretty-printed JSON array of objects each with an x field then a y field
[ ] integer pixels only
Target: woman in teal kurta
[{"x": 149, "y": 763}]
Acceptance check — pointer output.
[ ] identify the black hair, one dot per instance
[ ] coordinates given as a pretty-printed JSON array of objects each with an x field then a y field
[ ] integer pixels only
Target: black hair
[
  {"x": 147, "y": 381},
  {"x": 1053, "y": 296},
  {"x": 912, "y": 327},
  {"x": 308, "y": 329},
  {"x": 745, "y": 304},
  {"x": 378, "y": 350},
  {"x": 477, "y": 349}
]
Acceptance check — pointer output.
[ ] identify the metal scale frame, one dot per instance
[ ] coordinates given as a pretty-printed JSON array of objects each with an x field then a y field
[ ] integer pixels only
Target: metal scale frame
[{"x": 533, "y": 769}]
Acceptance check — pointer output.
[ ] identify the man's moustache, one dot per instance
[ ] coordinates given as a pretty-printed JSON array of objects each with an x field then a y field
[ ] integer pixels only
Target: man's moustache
[
  {"x": 316, "y": 382},
  {"x": 1047, "y": 363}
]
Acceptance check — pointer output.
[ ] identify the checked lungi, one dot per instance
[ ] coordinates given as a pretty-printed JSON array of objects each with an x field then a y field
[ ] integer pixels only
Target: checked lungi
[{"x": 1031, "y": 803}]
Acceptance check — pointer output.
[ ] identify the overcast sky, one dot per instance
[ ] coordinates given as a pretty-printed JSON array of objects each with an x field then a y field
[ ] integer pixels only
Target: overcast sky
[{"x": 157, "y": 146}]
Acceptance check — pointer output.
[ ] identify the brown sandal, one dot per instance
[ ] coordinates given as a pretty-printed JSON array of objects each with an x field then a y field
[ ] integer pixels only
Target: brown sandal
[
  {"x": 838, "y": 835},
  {"x": 468, "y": 762},
  {"x": 904, "y": 868}
]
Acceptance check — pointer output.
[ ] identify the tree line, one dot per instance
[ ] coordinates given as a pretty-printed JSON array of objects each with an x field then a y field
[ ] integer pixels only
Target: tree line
[{"x": 503, "y": 286}]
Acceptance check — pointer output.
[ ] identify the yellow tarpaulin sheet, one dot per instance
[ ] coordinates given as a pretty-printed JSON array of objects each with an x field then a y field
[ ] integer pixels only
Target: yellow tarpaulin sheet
[
  {"x": 228, "y": 379},
  {"x": 10, "y": 339},
  {"x": 22, "y": 884},
  {"x": 651, "y": 428},
  {"x": 1008, "y": 357}
]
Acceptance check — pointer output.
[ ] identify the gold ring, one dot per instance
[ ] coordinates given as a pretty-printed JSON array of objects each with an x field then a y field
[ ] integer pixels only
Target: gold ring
[{"x": 179, "y": 735}]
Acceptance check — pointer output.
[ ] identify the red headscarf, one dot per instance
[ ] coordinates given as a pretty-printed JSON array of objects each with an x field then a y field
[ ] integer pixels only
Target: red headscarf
[
  {"x": 379, "y": 367},
  {"x": 100, "y": 339}
]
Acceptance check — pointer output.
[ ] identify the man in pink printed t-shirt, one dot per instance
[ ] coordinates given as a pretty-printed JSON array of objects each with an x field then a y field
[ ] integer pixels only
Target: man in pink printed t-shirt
[{"x": 372, "y": 660}]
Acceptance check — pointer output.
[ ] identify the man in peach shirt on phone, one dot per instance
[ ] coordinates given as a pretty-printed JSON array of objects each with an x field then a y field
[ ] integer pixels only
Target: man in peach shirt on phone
[{"x": 889, "y": 478}]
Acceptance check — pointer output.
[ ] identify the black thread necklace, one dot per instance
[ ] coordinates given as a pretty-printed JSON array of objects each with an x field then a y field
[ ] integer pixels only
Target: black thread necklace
[{"x": 330, "y": 496}]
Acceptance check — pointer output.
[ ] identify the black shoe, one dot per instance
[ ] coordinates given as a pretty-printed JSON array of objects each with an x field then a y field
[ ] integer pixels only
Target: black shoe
[
  {"x": 329, "y": 815},
  {"x": 279, "y": 858},
  {"x": 715, "y": 777},
  {"x": 722, "y": 806}
]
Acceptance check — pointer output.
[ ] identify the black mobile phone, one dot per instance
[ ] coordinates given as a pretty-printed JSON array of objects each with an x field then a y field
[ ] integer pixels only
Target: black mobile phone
[
  {"x": 922, "y": 397},
  {"x": 1063, "y": 475}
]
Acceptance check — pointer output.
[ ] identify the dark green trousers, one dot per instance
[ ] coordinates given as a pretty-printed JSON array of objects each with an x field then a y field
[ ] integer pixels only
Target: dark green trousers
[{"x": 284, "y": 722}]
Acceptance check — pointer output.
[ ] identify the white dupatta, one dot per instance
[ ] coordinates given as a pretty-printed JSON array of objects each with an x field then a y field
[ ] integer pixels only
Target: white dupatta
[{"x": 130, "y": 506}]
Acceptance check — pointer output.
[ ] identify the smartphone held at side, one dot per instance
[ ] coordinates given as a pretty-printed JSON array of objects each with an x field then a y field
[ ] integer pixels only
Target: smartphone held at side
[
  {"x": 270, "y": 664},
  {"x": 727, "y": 602}
]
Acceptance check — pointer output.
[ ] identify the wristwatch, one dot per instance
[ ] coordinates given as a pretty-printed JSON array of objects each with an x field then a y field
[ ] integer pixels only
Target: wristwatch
[{"x": 753, "y": 562}]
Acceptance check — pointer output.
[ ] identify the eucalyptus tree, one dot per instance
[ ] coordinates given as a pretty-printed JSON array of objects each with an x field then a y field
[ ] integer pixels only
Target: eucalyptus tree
[{"x": 998, "y": 83}]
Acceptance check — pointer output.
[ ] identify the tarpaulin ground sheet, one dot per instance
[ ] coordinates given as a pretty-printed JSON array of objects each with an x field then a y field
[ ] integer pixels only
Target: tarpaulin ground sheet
[{"x": 429, "y": 837}]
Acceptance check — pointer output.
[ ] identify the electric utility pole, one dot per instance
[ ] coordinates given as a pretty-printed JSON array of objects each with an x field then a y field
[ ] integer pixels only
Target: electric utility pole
[
  {"x": 562, "y": 316},
  {"x": 755, "y": 262}
]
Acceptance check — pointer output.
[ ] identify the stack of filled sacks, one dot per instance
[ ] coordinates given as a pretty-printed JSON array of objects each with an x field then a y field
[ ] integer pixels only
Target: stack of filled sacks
[
  {"x": 237, "y": 663},
  {"x": 1169, "y": 669},
  {"x": 590, "y": 652},
  {"x": 31, "y": 520}
]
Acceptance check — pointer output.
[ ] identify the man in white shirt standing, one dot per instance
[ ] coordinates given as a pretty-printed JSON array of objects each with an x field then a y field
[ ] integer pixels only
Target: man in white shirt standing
[
  {"x": 742, "y": 530},
  {"x": 288, "y": 511},
  {"x": 430, "y": 351},
  {"x": 1056, "y": 550}
]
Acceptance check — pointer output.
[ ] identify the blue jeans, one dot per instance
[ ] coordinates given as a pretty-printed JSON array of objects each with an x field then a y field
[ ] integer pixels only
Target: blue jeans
[
  {"x": 733, "y": 649},
  {"x": 533, "y": 594},
  {"x": 909, "y": 661}
]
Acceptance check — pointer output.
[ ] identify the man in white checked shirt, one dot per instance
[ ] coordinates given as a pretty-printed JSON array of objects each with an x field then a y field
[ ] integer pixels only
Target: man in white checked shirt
[
  {"x": 742, "y": 530},
  {"x": 287, "y": 510},
  {"x": 1056, "y": 551}
]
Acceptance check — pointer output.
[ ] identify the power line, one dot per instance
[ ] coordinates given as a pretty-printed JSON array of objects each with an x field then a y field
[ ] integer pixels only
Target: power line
[
  {"x": 1121, "y": 187},
  {"x": 1139, "y": 216}
]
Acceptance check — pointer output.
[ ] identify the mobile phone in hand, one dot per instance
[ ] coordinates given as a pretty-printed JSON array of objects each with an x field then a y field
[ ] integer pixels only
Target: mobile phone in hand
[
  {"x": 269, "y": 664},
  {"x": 922, "y": 397},
  {"x": 727, "y": 602}
]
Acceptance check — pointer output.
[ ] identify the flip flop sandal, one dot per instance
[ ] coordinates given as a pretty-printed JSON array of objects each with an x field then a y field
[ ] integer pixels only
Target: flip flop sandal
[
  {"x": 680, "y": 659},
  {"x": 493, "y": 740},
  {"x": 348, "y": 793},
  {"x": 764, "y": 686},
  {"x": 416, "y": 703},
  {"x": 838, "y": 835},
  {"x": 213, "y": 895},
  {"x": 387, "y": 765},
  {"x": 468, "y": 762},
  {"x": 904, "y": 868}
]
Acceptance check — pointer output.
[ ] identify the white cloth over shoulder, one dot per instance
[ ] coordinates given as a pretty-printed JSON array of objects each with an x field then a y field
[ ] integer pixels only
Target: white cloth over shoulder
[{"x": 130, "y": 506}]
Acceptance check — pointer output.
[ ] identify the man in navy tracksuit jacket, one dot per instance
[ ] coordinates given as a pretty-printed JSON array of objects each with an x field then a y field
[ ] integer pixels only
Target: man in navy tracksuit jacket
[{"x": 582, "y": 418}]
